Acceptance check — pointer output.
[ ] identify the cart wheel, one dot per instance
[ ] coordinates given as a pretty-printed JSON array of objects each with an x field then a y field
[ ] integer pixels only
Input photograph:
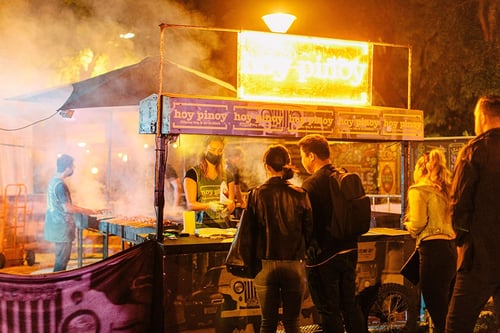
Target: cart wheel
[
  {"x": 2, "y": 260},
  {"x": 394, "y": 310},
  {"x": 30, "y": 257}
]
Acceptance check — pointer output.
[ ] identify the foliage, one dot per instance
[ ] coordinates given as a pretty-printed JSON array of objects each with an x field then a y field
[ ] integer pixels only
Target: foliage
[{"x": 452, "y": 64}]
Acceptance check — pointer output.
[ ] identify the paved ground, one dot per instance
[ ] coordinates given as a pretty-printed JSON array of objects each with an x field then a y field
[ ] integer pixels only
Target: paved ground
[{"x": 44, "y": 263}]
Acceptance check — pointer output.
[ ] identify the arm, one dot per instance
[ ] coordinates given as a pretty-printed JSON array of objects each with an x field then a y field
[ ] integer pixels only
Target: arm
[
  {"x": 462, "y": 196},
  {"x": 191, "y": 190},
  {"x": 308, "y": 221},
  {"x": 70, "y": 208},
  {"x": 230, "y": 203},
  {"x": 417, "y": 214},
  {"x": 64, "y": 197}
]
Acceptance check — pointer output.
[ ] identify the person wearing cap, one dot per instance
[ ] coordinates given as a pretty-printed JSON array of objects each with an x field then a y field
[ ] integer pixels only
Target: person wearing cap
[{"x": 60, "y": 227}]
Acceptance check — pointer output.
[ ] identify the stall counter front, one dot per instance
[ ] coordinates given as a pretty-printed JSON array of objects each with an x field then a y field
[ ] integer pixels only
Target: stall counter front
[{"x": 199, "y": 293}]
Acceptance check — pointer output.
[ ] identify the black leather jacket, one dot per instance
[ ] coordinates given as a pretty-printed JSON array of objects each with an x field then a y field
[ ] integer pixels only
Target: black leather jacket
[
  {"x": 283, "y": 215},
  {"x": 475, "y": 205}
]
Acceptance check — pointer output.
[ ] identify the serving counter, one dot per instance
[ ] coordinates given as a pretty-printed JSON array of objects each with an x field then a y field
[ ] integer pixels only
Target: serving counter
[{"x": 198, "y": 292}]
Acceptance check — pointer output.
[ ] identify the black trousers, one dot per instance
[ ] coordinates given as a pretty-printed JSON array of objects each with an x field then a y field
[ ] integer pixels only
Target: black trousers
[{"x": 438, "y": 261}]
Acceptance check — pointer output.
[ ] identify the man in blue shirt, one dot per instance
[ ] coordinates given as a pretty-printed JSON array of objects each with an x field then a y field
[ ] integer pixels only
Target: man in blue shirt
[{"x": 59, "y": 221}]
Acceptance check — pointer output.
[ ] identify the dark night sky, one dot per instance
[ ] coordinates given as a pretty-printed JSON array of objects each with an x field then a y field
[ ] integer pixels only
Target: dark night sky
[{"x": 40, "y": 39}]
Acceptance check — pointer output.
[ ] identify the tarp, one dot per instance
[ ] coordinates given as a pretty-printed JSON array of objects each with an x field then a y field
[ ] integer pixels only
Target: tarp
[
  {"x": 129, "y": 85},
  {"x": 113, "y": 295}
]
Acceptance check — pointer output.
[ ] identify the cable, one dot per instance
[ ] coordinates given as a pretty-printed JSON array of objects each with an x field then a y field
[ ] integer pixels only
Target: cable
[{"x": 29, "y": 125}]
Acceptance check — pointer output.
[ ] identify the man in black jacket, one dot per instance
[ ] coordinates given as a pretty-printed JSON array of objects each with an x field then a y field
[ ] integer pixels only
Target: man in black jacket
[
  {"x": 331, "y": 263},
  {"x": 476, "y": 218}
]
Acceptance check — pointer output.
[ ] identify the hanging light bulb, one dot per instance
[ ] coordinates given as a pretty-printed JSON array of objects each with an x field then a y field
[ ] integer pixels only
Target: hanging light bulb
[{"x": 279, "y": 22}]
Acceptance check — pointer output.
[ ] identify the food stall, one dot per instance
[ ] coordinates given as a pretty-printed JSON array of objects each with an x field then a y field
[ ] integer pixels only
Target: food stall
[
  {"x": 199, "y": 296},
  {"x": 287, "y": 87}
]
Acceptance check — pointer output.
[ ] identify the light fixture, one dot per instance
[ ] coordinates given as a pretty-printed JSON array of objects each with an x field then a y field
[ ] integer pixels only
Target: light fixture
[
  {"x": 128, "y": 35},
  {"x": 278, "y": 22},
  {"x": 66, "y": 113}
]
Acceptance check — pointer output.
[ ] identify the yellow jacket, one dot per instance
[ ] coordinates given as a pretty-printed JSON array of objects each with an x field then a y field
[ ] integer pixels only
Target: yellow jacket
[{"x": 428, "y": 215}]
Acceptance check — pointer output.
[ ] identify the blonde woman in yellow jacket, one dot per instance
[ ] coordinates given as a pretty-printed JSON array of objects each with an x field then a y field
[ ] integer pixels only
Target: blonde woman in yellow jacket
[{"x": 428, "y": 220}]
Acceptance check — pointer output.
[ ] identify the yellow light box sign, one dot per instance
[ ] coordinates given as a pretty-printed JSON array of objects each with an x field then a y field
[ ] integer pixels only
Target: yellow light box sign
[{"x": 305, "y": 70}]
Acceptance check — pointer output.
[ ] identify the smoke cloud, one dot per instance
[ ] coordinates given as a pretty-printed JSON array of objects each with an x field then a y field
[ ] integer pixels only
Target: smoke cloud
[{"x": 48, "y": 44}]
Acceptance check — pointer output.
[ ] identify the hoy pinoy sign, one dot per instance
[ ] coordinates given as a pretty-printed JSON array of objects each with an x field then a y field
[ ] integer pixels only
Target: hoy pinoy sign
[{"x": 305, "y": 70}]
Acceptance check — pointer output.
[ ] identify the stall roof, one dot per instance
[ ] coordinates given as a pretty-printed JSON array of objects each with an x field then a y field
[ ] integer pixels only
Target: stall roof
[{"x": 128, "y": 85}]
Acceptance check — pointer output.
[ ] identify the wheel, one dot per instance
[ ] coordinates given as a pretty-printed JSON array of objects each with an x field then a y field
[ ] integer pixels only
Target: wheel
[
  {"x": 30, "y": 257},
  {"x": 2, "y": 260},
  {"x": 394, "y": 310}
]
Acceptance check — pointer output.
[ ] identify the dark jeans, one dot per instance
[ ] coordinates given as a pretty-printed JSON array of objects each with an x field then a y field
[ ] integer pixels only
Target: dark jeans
[
  {"x": 438, "y": 262},
  {"x": 471, "y": 293},
  {"x": 333, "y": 290},
  {"x": 280, "y": 282},
  {"x": 63, "y": 252}
]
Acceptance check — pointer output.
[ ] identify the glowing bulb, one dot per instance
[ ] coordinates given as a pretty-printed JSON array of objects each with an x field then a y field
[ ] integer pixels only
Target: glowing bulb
[
  {"x": 125, "y": 158},
  {"x": 94, "y": 170},
  {"x": 146, "y": 146},
  {"x": 279, "y": 22},
  {"x": 175, "y": 145},
  {"x": 128, "y": 35},
  {"x": 81, "y": 144}
]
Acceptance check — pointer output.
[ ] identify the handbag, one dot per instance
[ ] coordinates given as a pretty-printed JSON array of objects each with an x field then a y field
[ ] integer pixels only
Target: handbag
[
  {"x": 242, "y": 259},
  {"x": 411, "y": 268}
]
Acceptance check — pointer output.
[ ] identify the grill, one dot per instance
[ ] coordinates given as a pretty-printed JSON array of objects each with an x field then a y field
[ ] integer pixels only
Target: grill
[{"x": 250, "y": 293}]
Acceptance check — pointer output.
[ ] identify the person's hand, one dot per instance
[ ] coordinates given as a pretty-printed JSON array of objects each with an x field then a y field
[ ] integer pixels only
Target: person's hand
[
  {"x": 215, "y": 206},
  {"x": 230, "y": 205}
]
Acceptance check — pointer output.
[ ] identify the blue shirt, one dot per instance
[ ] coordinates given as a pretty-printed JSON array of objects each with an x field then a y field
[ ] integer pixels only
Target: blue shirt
[{"x": 59, "y": 225}]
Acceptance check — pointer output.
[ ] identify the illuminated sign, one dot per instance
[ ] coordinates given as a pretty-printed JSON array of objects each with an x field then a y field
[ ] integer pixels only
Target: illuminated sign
[{"x": 305, "y": 70}]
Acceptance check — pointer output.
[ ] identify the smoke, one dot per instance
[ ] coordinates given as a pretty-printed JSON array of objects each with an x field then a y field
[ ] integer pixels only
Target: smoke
[{"x": 48, "y": 44}]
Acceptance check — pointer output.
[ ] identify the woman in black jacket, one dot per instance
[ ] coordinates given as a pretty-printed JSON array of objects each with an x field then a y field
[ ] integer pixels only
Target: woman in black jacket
[{"x": 284, "y": 222}]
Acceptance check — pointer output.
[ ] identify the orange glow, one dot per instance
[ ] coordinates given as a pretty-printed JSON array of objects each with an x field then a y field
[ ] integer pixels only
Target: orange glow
[
  {"x": 278, "y": 22},
  {"x": 300, "y": 69}
]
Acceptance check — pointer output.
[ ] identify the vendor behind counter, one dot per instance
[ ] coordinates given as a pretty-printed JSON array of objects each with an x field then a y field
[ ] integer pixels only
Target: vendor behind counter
[{"x": 209, "y": 188}]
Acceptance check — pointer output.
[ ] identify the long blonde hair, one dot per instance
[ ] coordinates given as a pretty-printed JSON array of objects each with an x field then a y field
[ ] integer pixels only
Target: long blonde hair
[{"x": 433, "y": 165}]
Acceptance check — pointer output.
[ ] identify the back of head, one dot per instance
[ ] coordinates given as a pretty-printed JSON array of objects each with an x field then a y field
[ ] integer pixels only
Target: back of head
[
  {"x": 278, "y": 158},
  {"x": 433, "y": 165},
  {"x": 490, "y": 105},
  {"x": 439, "y": 172},
  {"x": 64, "y": 162},
  {"x": 316, "y": 144},
  {"x": 420, "y": 171}
]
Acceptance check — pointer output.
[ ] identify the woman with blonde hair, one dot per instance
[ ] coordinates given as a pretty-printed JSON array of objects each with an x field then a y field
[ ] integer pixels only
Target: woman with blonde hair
[{"x": 428, "y": 219}]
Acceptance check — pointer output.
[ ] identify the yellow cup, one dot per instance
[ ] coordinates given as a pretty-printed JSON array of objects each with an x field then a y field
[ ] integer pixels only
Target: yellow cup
[{"x": 189, "y": 222}]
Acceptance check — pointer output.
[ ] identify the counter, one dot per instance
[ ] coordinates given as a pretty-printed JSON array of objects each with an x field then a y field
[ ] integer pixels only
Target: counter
[{"x": 200, "y": 293}]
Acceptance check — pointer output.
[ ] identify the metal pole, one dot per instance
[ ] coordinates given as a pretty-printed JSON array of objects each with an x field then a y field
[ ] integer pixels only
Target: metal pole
[
  {"x": 405, "y": 175},
  {"x": 160, "y": 163}
]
